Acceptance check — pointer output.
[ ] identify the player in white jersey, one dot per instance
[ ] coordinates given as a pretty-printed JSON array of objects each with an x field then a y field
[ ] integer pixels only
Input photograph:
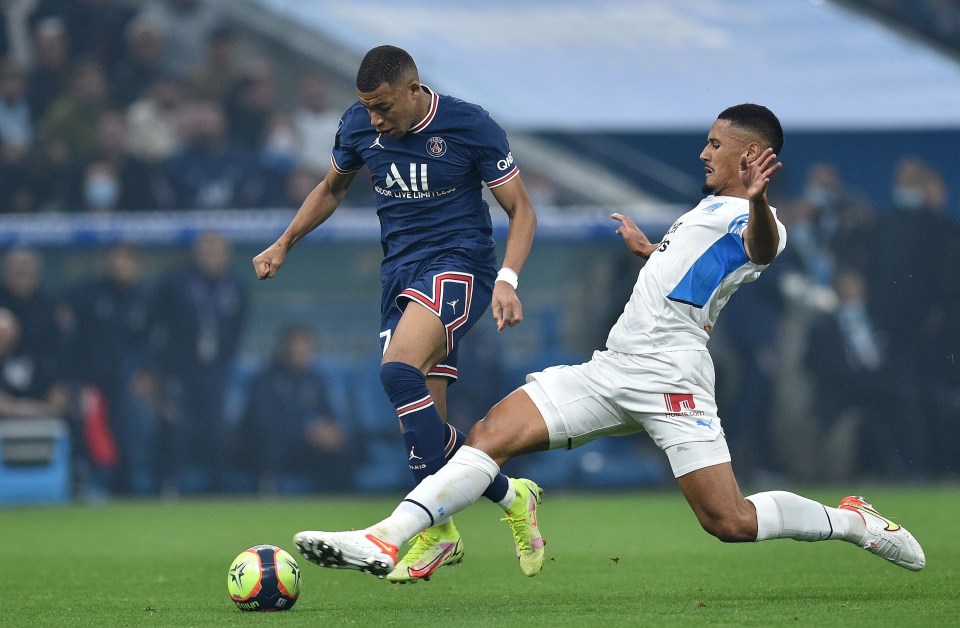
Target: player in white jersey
[{"x": 656, "y": 375}]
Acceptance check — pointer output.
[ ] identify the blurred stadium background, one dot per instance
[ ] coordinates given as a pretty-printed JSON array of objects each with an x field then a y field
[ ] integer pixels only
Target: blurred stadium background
[{"x": 607, "y": 104}]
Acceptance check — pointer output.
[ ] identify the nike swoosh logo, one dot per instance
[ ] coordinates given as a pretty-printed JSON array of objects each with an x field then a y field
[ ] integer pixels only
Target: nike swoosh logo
[
  {"x": 430, "y": 567},
  {"x": 891, "y": 526},
  {"x": 390, "y": 550}
]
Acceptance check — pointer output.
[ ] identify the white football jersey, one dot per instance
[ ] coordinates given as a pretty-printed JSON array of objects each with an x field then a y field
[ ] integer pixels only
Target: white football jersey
[{"x": 700, "y": 263}]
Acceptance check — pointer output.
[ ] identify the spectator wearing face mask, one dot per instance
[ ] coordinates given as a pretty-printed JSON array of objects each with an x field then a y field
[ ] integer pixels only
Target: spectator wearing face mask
[
  {"x": 112, "y": 178},
  {"x": 911, "y": 278},
  {"x": 830, "y": 226},
  {"x": 101, "y": 189}
]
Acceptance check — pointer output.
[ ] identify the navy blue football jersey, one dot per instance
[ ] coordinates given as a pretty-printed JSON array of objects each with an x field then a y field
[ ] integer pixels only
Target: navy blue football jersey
[{"x": 428, "y": 183}]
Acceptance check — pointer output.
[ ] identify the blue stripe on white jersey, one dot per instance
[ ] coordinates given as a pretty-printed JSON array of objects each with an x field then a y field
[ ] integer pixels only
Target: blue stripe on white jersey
[
  {"x": 707, "y": 273},
  {"x": 700, "y": 263}
]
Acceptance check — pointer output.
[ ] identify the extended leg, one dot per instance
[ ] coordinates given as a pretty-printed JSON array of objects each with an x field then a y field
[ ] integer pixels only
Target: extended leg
[{"x": 715, "y": 498}]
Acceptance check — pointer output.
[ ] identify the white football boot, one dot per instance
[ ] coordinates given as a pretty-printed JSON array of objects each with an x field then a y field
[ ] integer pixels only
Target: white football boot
[
  {"x": 885, "y": 538},
  {"x": 356, "y": 549}
]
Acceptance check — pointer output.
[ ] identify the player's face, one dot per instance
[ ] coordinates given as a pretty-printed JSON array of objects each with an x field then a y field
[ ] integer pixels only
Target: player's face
[
  {"x": 393, "y": 110},
  {"x": 721, "y": 158}
]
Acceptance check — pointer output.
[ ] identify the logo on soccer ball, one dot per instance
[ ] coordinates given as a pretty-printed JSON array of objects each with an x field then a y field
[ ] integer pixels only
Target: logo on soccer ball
[{"x": 436, "y": 146}]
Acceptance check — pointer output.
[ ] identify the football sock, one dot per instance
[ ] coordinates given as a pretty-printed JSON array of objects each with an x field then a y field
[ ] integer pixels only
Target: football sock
[
  {"x": 783, "y": 515},
  {"x": 458, "y": 484},
  {"x": 499, "y": 490},
  {"x": 423, "y": 429}
]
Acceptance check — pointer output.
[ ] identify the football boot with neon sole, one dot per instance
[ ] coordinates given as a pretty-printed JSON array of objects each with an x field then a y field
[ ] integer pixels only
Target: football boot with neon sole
[
  {"x": 435, "y": 547},
  {"x": 522, "y": 519},
  {"x": 357, "y": 549},
  {"x": 884, "y": 537}
]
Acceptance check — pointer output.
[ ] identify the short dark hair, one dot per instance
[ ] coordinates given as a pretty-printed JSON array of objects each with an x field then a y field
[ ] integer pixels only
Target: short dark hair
[
  {"x": 384, "y": 64},
  {"x": 756, "y": 119}
]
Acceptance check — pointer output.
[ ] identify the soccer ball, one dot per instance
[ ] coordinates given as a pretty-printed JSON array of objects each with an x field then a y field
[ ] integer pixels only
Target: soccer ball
[{"x": 264, "y": 578}]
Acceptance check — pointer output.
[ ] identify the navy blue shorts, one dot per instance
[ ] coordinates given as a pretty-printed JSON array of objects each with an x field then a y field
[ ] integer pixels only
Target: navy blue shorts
[{"x": 453, "y": 286}]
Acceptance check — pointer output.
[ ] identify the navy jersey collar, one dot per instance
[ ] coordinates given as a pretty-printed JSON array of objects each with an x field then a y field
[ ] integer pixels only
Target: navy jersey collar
[{"x": 431, "y": 113}]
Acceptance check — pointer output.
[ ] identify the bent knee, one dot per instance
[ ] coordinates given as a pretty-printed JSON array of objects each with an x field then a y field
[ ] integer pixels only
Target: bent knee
[
  {"x": 731, "y": 529},
  {"x": 485, "y": 435},
  {"x": 504, "y": 435},
  {"x": 398, "y": 378}
]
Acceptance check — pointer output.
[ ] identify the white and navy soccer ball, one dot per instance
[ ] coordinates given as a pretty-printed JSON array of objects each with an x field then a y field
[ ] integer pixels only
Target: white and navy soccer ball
[{"x": 264, "y": 578}]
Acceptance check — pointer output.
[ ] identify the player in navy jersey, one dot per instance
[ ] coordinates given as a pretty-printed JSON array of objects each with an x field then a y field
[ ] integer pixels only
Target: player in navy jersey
[
  {"x": 655, "y": 376},
  {"x": 429, "y": 156}
]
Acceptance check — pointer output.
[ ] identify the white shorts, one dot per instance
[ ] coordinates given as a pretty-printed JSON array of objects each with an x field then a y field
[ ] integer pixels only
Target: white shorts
[{"x": 669, "y": 395}]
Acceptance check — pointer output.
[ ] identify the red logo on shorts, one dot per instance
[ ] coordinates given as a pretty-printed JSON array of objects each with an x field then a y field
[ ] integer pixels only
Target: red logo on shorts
[{"x": 679, "y": 402}]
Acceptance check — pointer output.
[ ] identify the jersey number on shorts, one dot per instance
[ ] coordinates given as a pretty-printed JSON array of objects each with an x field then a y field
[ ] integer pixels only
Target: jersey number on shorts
[{"x": 385, "y": 334}]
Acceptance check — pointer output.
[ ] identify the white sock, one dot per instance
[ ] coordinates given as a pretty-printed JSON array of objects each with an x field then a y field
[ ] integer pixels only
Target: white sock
[
  {"x": 783, "y": 515},
  {"x": 459, "y": 483},
  {"x": 508, "y": 499}
]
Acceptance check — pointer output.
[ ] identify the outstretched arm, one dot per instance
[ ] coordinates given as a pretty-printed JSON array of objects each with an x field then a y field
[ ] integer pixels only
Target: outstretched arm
[
  {"x": 513, "y": 198},
  {"x": 637, "y": 241},
  {"x": 761, "y": 239},
  {"x": 316, "y": 208}
]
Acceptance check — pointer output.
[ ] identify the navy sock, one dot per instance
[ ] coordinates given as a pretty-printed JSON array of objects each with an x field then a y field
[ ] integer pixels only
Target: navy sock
[
  {"x": 423, "y": 429},
  {"x": 500, "y": 485}
]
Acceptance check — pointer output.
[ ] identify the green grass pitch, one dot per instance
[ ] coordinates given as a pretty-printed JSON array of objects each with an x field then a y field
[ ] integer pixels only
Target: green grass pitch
[{"x": 617, "y": 559}]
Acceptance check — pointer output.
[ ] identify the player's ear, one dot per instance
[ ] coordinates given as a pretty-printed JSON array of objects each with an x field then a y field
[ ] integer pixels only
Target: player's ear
[
  {"x": 413, "y": 88},
  {"x": 752, "y": 151}
]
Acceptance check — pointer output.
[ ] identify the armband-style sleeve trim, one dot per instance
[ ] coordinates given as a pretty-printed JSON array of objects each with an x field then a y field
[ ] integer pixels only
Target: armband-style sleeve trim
[{"x": 510, "y": 175}]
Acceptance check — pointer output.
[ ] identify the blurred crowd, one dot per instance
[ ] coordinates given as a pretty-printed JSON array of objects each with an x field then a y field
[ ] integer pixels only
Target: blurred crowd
[
  {"x": 108, "y": 105},
  {"x": 848, "y": 340},
  {"x": 142, "y": 371},
  {"x": 863, "y": 303},
  {"x": 852, "y": 331}
]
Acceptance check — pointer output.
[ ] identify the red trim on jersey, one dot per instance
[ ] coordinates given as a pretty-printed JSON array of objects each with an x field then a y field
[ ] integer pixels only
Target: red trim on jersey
[
  {"x": 333, "y": 162},
  {"x": 431, "y": 114},
  {"x": 434, "y": 301},
  {"x": 504, "y": 178}
]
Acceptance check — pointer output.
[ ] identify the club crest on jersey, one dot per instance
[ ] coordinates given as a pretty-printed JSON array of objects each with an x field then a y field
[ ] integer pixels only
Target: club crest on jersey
[
  {"x": 713, "y": 208},
  {"x": 436, "y": 146}
]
